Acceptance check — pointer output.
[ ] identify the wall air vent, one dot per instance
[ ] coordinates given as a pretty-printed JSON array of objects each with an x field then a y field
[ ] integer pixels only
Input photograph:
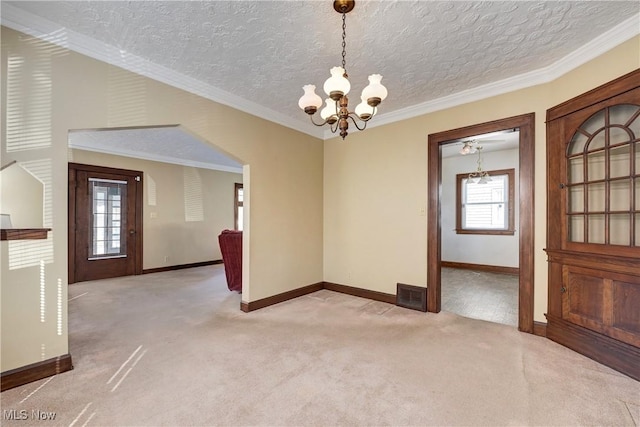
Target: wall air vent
[{"x": 413, "y": 297}]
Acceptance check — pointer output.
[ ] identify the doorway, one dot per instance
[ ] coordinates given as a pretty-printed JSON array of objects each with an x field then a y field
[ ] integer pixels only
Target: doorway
[
  {"x": 105, "y": 222},
  {"x": 525, "y": 123}
]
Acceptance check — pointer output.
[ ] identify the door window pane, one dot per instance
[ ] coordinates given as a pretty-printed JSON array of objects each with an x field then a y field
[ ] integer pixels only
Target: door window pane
[
  {"x": 595, "y": 166},
  {"x": 596, "y": 228},
  {"x": 619, "y": 161},
  {"x": 576, "y": 169},
  {"x": 108, "y": 218},
  {"x": 620, "y": 229},
  {"x": 576, "y": 198},
  {"x": 620, "y": 194},
  {"x": 596, "y": 196},
  {"x": 238, "y": 199},
  {"x": 576, "y": 228}
]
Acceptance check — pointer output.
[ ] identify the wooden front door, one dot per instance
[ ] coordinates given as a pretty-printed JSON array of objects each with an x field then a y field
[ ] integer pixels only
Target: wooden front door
[{"x": 105, "y": 222}]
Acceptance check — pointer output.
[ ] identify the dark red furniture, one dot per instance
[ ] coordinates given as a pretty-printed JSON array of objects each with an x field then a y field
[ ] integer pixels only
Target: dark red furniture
[{"x": 231, "y": 248}]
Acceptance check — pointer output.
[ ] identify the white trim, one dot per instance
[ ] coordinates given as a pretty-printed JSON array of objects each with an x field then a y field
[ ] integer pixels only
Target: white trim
[
  {"x": 44, "y": 29},
  {"x": 596, "y": 47},
  {"x": 28, "y": 23},
  {"x": 158, "y": 158}
]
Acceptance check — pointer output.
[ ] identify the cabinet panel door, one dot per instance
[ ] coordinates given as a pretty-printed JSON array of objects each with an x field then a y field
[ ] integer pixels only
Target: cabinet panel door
[{"x": 602, "y": 301}]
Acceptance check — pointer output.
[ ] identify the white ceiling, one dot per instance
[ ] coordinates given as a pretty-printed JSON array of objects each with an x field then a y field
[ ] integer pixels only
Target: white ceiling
[
  {"x": 494, "y": 141},
  {"x": 257, "y": 55},
  {"x": 168, "y": 144}
]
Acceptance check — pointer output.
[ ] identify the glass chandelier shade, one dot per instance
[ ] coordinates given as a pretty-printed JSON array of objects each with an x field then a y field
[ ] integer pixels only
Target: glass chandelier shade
[
  {"x": 336, "y": 111},
  {"x": 337, "y": 83},
  {"x": 329, "y": 109},
  {"x": 375, "y": 89},
  {"x": 363, "y": 109},
  {"x": 310, "y": 100}
]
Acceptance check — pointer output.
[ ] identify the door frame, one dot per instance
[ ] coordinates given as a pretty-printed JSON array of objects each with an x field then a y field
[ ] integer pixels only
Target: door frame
[
  {"x": 71, "y": 214},
  {"x": 526, "y": 124}
]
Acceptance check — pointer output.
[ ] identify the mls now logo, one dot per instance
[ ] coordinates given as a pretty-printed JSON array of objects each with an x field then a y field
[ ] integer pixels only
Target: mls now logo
[
  {"x": 14, "y": 414},
  {"x": 36, "y": 414},
  {"x": 23, "y": 414}
]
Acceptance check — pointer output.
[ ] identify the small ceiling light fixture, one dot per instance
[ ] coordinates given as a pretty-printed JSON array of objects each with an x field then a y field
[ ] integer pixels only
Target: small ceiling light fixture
[
  {"x": 336, "y": 112},
  {"x": 468, "y": 147},
  {"x": 479, "y": 176}
]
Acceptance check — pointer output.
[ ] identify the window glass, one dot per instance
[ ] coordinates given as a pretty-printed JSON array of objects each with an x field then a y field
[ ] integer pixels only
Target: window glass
[
  {"x": 108, "y": 218},
  {"x": 485, "y": 206},
  {"x": 238, "y": 206}
]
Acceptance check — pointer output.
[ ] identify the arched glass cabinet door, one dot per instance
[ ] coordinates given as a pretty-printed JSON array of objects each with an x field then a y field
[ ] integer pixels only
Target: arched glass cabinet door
[{"x": 603, "y": 179}]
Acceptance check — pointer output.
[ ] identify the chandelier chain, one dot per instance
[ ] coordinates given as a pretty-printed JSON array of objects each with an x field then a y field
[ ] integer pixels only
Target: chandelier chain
[{"x": 344, "y": 42}]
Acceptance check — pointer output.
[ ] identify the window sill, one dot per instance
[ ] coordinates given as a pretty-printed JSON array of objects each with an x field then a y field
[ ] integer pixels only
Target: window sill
[{"x": 488, "y": 232}]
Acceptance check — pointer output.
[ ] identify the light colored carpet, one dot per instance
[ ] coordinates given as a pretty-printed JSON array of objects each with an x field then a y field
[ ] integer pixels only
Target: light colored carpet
[{"x": 173, "y": 349}]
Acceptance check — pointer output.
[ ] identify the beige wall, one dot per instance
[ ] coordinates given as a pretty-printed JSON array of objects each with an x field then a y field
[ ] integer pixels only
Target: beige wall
[
  {"x": 173, "y": 231},
  {"x": 22, "y": 197},
  {"x": 375, "y": 182},
  {"x": 54, "y": 90},
  {"x": 354, "y": 208}
]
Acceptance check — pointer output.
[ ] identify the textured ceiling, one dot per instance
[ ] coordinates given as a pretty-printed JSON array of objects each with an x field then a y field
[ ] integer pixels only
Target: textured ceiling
[
  {"x": 256, "y": 55},
  {"x": 265, "y": 51},
  {"x": 169, "y": 144}
]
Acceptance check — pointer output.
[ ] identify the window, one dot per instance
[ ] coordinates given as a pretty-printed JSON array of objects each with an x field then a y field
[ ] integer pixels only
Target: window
[
  {"x": 108, "y": 220},
  {"x": 238, "y": 205},
  {"x": 485, "y": 208}
]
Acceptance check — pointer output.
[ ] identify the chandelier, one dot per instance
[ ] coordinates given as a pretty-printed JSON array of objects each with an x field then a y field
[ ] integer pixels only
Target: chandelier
[
  {"x": 479, "y": 176},
  {"x": 336, "y": 111}
]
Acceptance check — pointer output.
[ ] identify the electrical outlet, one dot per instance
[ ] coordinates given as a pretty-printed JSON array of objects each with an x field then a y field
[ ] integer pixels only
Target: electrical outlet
[
  {"x": 422, "y": 211},
  {"x": 166, "y": 258}
]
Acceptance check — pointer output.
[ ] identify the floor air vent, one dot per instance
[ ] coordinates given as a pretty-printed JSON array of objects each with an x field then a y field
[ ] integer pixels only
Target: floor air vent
[{"x": 413, "y": 297}]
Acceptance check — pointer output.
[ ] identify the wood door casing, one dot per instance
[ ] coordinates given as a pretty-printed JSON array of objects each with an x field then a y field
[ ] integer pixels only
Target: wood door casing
[
  {"x": 526, "y": 124},
  {"x": 81, "y": 267}
]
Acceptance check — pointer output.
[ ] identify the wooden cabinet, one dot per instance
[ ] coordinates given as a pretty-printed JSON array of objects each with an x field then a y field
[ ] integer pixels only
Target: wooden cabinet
[{"x": 593, "y": 235}]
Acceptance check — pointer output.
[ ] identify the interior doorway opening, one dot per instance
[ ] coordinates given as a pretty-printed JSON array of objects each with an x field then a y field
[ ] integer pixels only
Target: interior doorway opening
[
  {"x": 187, "y": 189},
  {"x": 525, "y": 124},
  {"x": 479, "y": 267}
]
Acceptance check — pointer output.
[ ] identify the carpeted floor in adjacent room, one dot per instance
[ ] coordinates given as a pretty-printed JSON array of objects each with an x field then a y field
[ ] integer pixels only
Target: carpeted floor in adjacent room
[{"x": 173, "y": 349}]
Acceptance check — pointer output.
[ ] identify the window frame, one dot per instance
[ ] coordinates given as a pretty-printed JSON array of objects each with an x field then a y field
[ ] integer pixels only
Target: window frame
[
  {"x": 510, "y": 231},
  {"x": 237, "y": 204}
]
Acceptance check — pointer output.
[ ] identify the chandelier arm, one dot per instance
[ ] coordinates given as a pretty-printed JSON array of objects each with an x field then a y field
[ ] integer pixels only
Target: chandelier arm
[
  {"x": 364, "y": 119},
  {"x": 356, "y": 123},
  {"x": 324, "y": 122}
]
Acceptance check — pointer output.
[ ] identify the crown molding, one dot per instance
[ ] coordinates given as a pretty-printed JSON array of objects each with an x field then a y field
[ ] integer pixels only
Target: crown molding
[
  {"x": 44, "y": 29},
  {"x": 596, "y": 47},
  {"x": 144, "y": 155}
]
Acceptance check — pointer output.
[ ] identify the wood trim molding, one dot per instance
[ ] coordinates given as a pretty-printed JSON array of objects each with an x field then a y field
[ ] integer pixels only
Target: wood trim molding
[
  {"x": 295, "y": 293},
  {"x": 35, "y": 371},
  {"x": 23, "y": 233},
  {"x": 73, "y": 170},
  {"x": 181, "y": 266},
  {"x": 276, "y": 299},
  {"x": 540, "y": 329},
  {"x": 526, "y": 124},
  {"x": 616, "y": 354},
  {"x": 615, "y": 87},
  {"x": 362, "y": 293},
  {"x": 514, "y": 271}
]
